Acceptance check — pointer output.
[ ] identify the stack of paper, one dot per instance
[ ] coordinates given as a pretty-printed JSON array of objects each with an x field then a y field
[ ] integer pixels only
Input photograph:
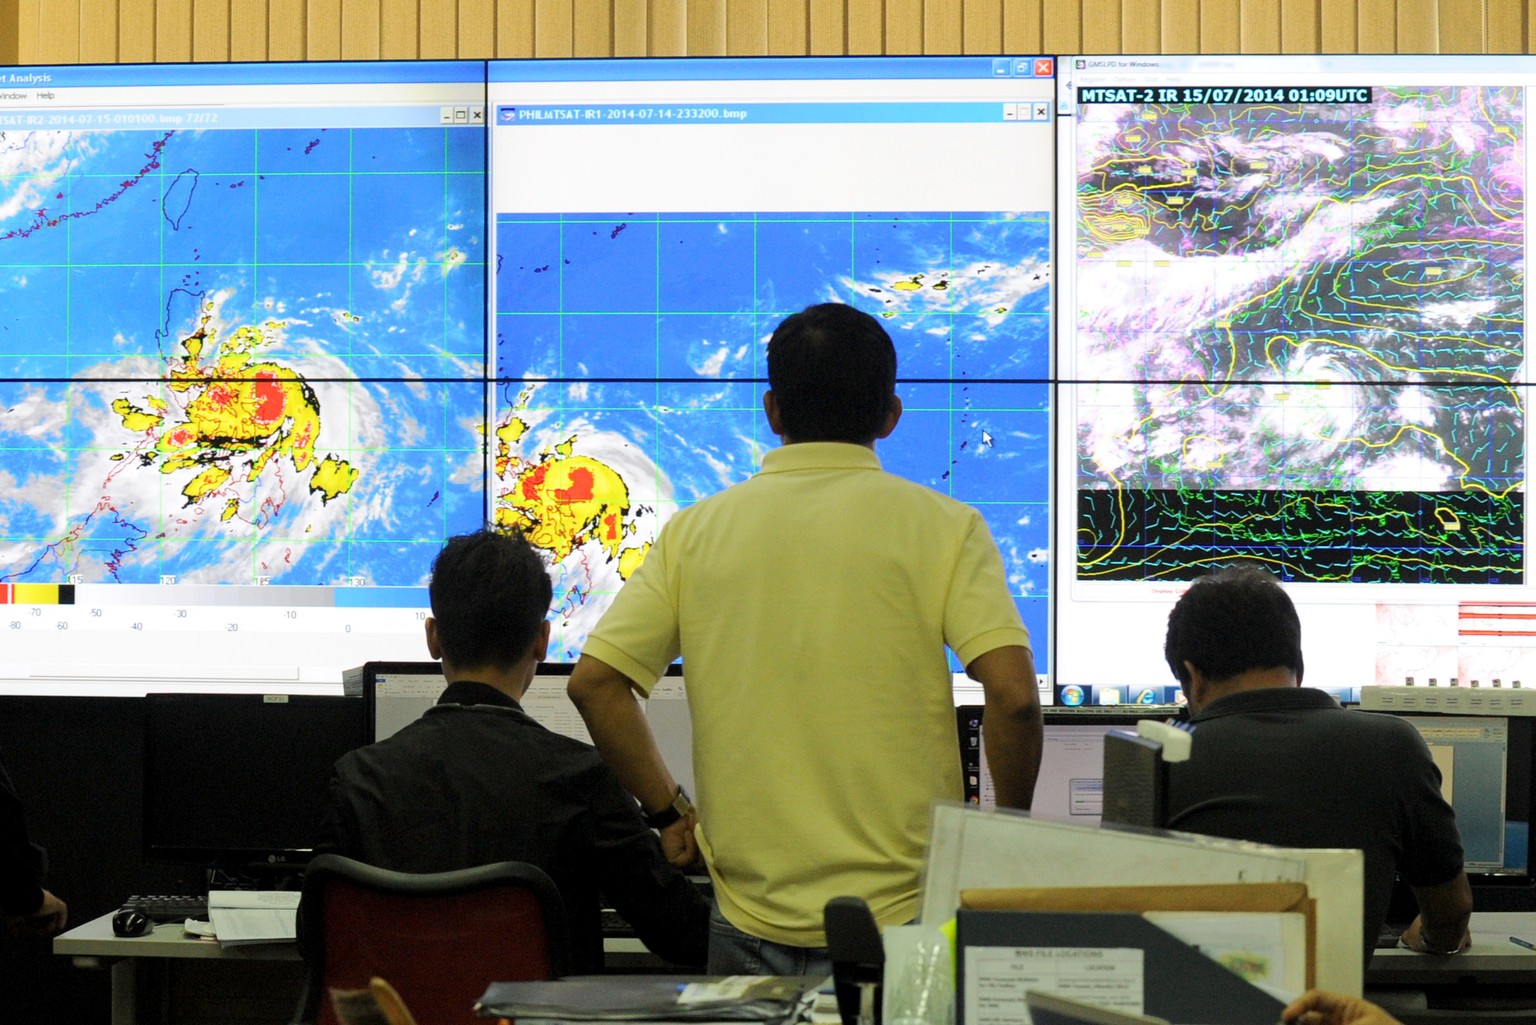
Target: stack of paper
[
  {"x": 254, "y": 916},
  {"x": 645, "y": 998}
]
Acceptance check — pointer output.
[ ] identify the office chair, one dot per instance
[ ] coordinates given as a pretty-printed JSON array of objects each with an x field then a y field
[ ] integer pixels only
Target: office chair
[{"x": 439, "y": 938}]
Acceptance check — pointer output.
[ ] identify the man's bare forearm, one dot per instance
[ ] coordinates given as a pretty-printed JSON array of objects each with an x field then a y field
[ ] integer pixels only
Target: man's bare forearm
[
  {"x": 1445, "y": 911},
  {"x": 1011, "y": 723},
  {"x": 619, "y": 729}
]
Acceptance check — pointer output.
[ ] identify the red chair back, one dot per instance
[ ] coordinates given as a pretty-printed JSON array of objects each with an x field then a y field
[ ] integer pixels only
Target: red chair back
[{"x": 438, "y": 939}]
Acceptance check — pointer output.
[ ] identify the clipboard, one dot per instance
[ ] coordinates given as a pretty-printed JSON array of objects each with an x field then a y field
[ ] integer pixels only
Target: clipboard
[
  {"x": 1216, "y": 898},
  {"x": 970, "y": 848},
  {"x": 1178, "y": 983}
]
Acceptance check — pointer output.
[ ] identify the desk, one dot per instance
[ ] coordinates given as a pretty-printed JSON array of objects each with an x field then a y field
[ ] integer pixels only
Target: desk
[
  {"x": 1493, "y": 980},
  {"x": 168, "y": 977}
]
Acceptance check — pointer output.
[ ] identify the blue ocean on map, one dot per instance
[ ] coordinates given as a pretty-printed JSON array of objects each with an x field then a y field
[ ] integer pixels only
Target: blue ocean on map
[{"x": 639, "y": 340}]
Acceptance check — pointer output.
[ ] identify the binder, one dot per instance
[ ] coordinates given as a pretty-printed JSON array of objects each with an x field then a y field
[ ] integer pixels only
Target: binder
[
  {"x": 972, "y": 849},
  {"x": 1215, "y": 898},
  {"x": 1179, "y": 983}
]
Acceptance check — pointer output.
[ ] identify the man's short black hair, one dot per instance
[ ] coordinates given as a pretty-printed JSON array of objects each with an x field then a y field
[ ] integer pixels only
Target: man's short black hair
[
  {"x": 490, "y": 591},
  {"x": 1232, "y": 621},
  {"x": 832, "y": 369}
]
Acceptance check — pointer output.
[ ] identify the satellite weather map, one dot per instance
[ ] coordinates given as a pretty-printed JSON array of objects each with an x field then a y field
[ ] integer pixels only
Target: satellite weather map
[
  {"x": 239, "y": 356},
  {"x": 627, "y": 345},
  {"x": 1300, "y": 329}
]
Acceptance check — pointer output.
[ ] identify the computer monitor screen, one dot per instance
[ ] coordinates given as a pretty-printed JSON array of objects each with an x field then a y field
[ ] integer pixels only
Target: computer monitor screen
[
  {"x": 238, "y": 779},
  {"x": 1293, "y": 333},
  {"x": 1070, "y": 787},
  {"x": 653, "y": 220},
  {"x": 242, "y": 367},
  {"x": 1485, "y": 774},
  {"x": 396, "y": 694}
]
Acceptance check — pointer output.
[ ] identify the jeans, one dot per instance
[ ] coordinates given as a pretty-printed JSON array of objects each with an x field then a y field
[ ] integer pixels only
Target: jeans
[{"x": 733, "y": 952}]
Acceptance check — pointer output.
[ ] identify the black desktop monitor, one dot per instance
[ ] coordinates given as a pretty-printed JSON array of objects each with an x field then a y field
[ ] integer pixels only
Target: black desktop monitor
[
  {"x": 1485, "y": 768},
  {"x": 395, "y": 694},
  {"x": 1070, "y": 787},
  {"x": 1492, "y": 797},
  {"x": 234, "y": 780}
]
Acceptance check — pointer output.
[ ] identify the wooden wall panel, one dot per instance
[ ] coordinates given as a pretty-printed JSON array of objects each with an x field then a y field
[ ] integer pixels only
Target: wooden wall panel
[
  {"x": 1460, "y": 26},
  {"x": 552, "y": 31},
  {"x": 981, "y": 24},
  {"x": 866, "y": 26},
  {"x": 400, "y": 29},
  {"x": 705, "y": 24},
  {"x": 98, "y": 31},
  {"x": 1061, "y": 27},
  {"x": 1259, "y": 26},
  {"x": 1023, "y": 26},
  {"x": 438, "y": 30},
  {"x": 828, "y": 27},
  {"x": 630, "y": 38},
  {"x": 1418, "y": 26},
  {"x": 360, "y": 21},
  {"x": 591, "y": 28},
  {"x": 135, "y": 33},
  {"x": 1339, "y": 26},
  {"x": 943, "y": 26},
  {"x": 173, "y": 30},
  {"x": 1378, "y": 26},
  {"x": 1221, "y": 26},
  {"x": 10, "y": 36},
  {"x": 903, "y": 26},
  {"x": 58, "y": 29},
  {"x": 28, "y": 48},
  {"x": 746, "y": 27},
  {"x": 1299, "y": 26},
  {"x": 1101, "y": 26},
  {"x": 1506, "y": 32},
  {"x": 1141, "y": 26},
  {"x": 286, "y": 26},
  {"x": 1181, "y": 26},
  {"x": 668, "y": 27},
  {"x": 322, "y": 30},
  {"x": 477, "y": 29},
  {"x": 247, "y": 30},
  {"x": 210, "y": 30},
  {"x": 788, "y": 27}
]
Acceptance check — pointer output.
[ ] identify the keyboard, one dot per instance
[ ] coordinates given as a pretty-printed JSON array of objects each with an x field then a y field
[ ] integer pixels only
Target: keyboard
[
  {"x": 162, "y": 907},
  {"x": 614, "y": 925}
]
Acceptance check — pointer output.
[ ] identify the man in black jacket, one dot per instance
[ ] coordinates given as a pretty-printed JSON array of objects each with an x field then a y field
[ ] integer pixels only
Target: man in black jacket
[{"x": 475, "y": 780}]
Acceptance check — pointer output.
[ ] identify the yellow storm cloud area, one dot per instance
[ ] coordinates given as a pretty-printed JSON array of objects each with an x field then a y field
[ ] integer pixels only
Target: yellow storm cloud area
[
  {"x": 332, "y": 477},
  {"x": 205, "y": 483},
  {"x": 563, "y": 502},
  {"x": 236, "y": 408}
]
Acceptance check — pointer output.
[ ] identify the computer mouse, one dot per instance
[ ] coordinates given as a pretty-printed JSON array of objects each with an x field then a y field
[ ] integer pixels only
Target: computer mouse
[{"x": 130, "y": 922}]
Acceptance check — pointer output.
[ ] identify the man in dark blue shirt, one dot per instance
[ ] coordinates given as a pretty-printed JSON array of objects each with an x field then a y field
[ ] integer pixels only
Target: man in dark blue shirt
[{"x": 1282, "y": 764}]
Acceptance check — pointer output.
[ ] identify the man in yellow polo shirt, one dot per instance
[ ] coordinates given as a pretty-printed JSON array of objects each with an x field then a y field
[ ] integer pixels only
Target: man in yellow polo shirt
[{"x": 811, "y": 606}]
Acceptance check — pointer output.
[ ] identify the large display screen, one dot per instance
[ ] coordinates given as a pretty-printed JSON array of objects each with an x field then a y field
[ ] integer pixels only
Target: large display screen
[
  {"x": 242, "y": 366},
  {"x": 1292, "y": 332},
  {"x": 272, "y": 332},
  {"x": 654, "y": 220}
]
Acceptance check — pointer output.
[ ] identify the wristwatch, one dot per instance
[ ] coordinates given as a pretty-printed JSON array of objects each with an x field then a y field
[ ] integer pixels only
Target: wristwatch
[{"x": 679, "y": 807}]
